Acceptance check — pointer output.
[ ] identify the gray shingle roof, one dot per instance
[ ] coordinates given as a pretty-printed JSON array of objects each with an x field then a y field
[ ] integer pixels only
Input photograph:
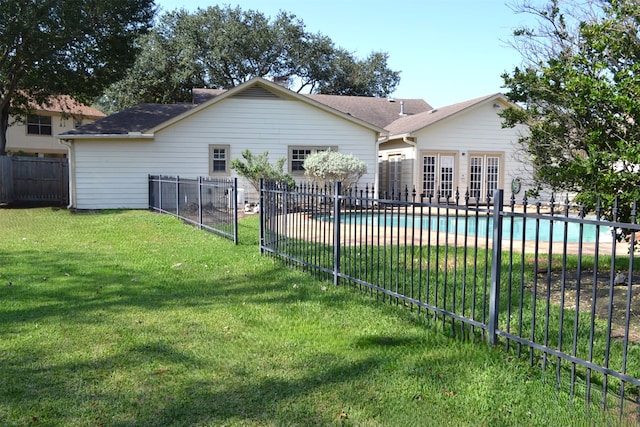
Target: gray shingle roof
[
  {"x": 381, "y": 112},
  {"x": 201, "y": 95},
  {"x": 376, "y": 111},
  {"x": 135, "y": 119}
]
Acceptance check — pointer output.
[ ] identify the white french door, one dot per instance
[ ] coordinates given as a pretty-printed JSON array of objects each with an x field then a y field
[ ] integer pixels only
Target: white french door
[
  {"x": 438, "y": 171},
  {"x": 484, "y": 175}
]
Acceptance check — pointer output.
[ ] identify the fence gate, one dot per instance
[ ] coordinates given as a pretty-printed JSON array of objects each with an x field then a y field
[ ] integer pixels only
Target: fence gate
[{"x": 34, "y": 180}]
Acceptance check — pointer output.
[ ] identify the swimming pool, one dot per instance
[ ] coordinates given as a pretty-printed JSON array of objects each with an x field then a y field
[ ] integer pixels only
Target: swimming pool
[{"x": 546, "y": 230}]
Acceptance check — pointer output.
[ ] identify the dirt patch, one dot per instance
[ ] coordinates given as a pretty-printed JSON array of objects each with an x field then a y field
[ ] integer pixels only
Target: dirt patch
[{"x": 604, "y": 299}]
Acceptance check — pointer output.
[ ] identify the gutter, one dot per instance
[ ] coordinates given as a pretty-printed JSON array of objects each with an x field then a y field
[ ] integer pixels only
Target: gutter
[
  {"x": 406, "y": 138},
  {"x": 130, "y": 135},
  {"x": 67, "y": 143}
]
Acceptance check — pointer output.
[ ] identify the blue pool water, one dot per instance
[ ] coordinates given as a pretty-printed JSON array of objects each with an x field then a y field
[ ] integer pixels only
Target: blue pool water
[{"x": 473, "y": 226}]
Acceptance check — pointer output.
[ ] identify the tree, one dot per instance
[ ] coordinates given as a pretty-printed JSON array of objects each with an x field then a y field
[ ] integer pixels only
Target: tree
[
  {"x": 350, "y": 76},
  {"x": 579, "y": 91},
  {"x": 221, "y": 47},
  {"x": 255, "y": 167},
  {"x": 71, "y": 47},
  {"x": 328, "y": 167}
]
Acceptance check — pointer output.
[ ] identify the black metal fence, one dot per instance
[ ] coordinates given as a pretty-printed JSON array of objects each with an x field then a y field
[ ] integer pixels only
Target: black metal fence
[
  {"x": 546, "y": 281},
  {"x": 209, "y": 203}
]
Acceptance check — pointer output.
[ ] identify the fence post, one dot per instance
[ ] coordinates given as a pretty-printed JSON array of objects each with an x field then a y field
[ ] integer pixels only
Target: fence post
[
  {"x": 200, "y": 202},
  {"x": 496, "y": 266},
  {"x": 235, "y": 210},
  {"x": 177, "y": 195},
  {"x": 160, "y": 193},
  {"x": 336, "y": 231},
  {"x": 261, "y": 212}
]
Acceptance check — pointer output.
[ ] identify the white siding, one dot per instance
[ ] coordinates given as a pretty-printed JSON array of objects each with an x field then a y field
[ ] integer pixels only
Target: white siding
[
  {"x": 113, "y": 174},
  {"x": 478, "y": 130}
]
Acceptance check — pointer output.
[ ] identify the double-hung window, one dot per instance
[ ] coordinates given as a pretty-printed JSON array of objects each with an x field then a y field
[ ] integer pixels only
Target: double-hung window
[
  {"x": 39, "y": 125},
  {"x": 219, "y": 160},
  {"x": 298, "y": 154}
]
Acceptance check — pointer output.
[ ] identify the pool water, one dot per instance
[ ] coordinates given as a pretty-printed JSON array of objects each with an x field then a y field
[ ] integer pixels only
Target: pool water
[{"x": 545, "y": 230}]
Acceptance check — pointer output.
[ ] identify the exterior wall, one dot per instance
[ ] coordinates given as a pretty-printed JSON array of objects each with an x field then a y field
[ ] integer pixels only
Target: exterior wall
[
  {"x": 390, "y": 154},
  {"x": 480, "y": 131},
  {"x": 19, "y": 141},
  {"x": 114, "y": 174}
]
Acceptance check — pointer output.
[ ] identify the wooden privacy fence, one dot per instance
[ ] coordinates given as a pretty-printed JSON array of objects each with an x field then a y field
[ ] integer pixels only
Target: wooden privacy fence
[{"x": 34, "y": 180}]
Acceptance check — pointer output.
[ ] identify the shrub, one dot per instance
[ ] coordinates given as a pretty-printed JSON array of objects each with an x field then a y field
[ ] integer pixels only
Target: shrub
[
  {"x": 258, "y": 166},
  {"x": 328, "y": 167}
]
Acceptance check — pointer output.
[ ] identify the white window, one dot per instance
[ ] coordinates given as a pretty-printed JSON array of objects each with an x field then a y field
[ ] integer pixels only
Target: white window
[
  {"x": 218, "y": 160},
  {"x": 39, "y": 125},
  {"x": 438, "y": 173},
  {"x": 297, "y": 156},
  {"x": 484, "y": 174}
]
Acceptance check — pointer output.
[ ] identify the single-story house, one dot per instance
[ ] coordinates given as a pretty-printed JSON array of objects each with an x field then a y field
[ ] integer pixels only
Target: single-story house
[
  {"x": 406, "y": 143},
  {"x": 110, "y": 159},
  {"x": 458, "y": 147},
  {"x": 35, "y": 135}
]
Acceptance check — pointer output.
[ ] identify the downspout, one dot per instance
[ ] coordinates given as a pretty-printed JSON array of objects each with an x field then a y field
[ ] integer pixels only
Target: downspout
[{"x": 68, "y": 143}]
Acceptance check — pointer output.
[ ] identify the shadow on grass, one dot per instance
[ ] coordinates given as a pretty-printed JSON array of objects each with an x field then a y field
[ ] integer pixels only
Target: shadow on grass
[{"x": 43, "y": 285}]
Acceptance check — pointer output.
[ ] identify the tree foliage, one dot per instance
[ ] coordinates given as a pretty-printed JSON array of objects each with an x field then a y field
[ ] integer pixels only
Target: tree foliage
[
  {"x": 327, "y": 167},
  {"x": 71, "y": 47},
  {"x": 579, "y": 89},
  {"x": 221, "y": 47},
  {"x": 258, "y": 166}
]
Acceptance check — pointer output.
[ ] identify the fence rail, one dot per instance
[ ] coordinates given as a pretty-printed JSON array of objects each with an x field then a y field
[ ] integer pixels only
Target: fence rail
[
  {"x": 209, "y": 203},
  {"x": 34, "y": 180},
  {"x": 546, "y": 281}
]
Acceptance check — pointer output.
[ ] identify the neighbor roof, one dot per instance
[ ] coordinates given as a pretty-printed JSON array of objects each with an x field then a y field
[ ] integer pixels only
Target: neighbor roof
[
  {"x": 201, "y": 95},
  {"x": 376, "y": 111},
  {"x": 65, "y": 104},
  {"x": 416, "y": 122}
]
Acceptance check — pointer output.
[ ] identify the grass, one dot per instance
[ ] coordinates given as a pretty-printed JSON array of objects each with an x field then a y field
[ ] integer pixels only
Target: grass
[
  {"x": 126, "y": 318},
  {"x": 457, "y": 279}
]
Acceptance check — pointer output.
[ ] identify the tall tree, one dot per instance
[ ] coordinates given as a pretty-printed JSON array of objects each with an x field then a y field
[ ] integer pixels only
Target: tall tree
[
  {"x": 580, "y": 93},
  {"x": 351, "y": 76},
  {"x": 72, "y": 47},
  {"x": 221, "y": 47}
]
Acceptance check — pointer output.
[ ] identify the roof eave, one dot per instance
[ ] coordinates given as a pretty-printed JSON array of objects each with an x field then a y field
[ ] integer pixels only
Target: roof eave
[
  {"x": 275, "y": 88},
  {"x": 130, "y": 135}
]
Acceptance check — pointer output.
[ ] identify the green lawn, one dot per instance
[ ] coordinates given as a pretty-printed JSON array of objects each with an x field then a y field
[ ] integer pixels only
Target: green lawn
[{"x": 133, "y": 318}]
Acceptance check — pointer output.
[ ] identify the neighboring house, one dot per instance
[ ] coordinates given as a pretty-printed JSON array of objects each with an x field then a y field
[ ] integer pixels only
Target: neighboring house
[
  {"x": 458, "y": 147},
  {"x": 35, "y": 135},
  {"x": 110, "y": 160}
]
